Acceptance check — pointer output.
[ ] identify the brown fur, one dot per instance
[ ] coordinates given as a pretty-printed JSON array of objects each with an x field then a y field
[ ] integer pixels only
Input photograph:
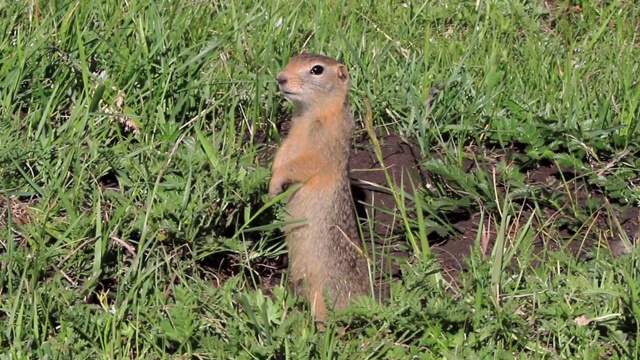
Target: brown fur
[{"x": 325, "y": 253}]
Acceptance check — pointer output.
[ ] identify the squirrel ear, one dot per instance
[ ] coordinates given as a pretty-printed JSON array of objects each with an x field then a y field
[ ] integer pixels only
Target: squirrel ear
[{"x": 343, "y": 74}]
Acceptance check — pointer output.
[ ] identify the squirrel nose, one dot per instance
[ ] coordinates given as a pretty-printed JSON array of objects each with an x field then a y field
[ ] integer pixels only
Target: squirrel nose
[{"x": 281, "y": 78}]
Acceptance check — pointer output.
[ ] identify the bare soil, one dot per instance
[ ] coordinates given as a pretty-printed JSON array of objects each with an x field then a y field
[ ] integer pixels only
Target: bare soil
[{"x": 403, "y": 159}]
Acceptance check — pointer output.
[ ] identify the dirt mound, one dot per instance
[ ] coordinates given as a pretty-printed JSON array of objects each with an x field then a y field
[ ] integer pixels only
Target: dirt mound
[{"x": 403, "y": 161}]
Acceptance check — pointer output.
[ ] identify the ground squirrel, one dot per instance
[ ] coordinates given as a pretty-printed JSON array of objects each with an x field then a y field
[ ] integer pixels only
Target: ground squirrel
[{"x": 325, "y": 252}]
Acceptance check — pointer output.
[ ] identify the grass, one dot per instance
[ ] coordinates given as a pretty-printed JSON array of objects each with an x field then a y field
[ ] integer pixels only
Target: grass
[{"x": 134, "y": 216}]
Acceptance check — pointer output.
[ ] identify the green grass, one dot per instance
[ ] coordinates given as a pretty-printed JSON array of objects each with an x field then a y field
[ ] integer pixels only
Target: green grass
[{"x": 133, "y": 208}]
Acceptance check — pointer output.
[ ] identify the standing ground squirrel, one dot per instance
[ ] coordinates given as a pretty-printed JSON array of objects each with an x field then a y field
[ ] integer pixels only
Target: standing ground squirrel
[{"x": 325, "y": 253}]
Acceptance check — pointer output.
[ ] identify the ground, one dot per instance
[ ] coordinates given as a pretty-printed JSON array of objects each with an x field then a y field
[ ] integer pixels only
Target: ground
[{"x": 136, "y": 140}]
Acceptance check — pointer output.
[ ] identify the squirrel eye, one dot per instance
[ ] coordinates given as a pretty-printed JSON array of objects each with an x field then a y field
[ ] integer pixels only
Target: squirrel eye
[{"x": 317, "y": 70}]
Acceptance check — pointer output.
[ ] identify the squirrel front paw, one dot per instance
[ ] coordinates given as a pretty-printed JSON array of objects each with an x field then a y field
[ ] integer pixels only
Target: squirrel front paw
[{"x": 276, "y": 186}]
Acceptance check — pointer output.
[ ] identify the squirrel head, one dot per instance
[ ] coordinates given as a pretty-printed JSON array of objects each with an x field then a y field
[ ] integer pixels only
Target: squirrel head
[{"x": 311, "y": 80}]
